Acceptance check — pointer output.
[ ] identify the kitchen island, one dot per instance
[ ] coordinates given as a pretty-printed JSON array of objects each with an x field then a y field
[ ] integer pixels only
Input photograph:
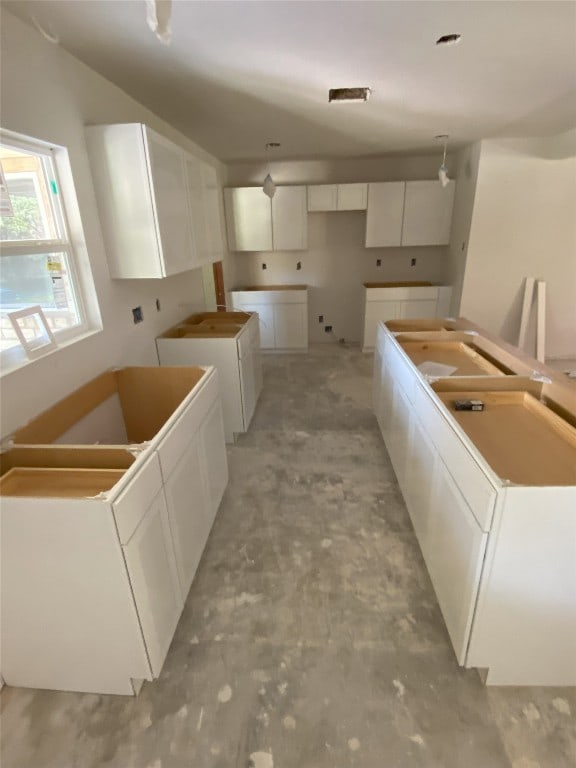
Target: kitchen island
[{"x": 491, "y": 493}]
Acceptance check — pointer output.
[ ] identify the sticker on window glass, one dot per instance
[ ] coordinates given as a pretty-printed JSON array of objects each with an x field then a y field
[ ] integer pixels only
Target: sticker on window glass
[
  {"x": 32, "y": 330},
  {"x": 5, "y": 202}
]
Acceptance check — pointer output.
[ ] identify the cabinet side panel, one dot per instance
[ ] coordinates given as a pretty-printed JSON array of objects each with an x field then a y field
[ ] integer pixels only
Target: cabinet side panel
[
  {"x": 68, "y": 617},
  {"x": 525, "y": 625},
  {"x": 124, "y": 197}
]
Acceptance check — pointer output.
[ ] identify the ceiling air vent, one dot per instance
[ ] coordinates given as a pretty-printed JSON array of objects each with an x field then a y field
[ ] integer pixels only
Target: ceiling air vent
[
  {"x": 348, "y": 94},
  {"x": 448, "y": 39}
]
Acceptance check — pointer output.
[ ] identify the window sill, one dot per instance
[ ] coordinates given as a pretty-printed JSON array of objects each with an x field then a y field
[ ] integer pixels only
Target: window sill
[{"x": 16, "y": 365}]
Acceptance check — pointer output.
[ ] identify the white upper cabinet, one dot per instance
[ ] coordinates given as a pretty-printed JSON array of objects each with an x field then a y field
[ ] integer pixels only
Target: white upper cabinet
[
  {"x": 427, "y": 213},
  {"x": 323, "y": 197},
  {"x": 140, "y": 187},
  {"x": 256, "y": 223},
  {"x": 352, "y": 197},
  {"x": 337, "y": 197},
  {"x": 289, "y": 219},
  {"x": 153, "y": 202},
  {"x": 248, "y": 219},
  {"x": 385, "y": 212}
]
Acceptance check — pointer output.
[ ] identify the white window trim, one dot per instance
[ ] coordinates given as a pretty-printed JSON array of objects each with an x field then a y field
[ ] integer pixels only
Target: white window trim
[{"x": 15, "y": 357}]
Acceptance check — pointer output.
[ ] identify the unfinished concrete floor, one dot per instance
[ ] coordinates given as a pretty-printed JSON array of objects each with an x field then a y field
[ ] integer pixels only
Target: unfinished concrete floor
[{"x": 311, "y": 637}]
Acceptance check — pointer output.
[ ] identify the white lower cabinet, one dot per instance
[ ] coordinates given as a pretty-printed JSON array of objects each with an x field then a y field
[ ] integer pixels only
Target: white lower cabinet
[
  {"x": 282, "y": 314},
  {"x": 399, "y": 301},
  {"x": 100, "y": 543},
  {"x": 501, "y": 553}
]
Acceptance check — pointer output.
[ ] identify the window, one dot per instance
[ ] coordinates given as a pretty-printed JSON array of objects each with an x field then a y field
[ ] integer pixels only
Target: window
[{"x": 36, "y": 258}]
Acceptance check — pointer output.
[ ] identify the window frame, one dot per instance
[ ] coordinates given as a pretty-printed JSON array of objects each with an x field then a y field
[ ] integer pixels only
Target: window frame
[{"x": 50, "y": 156}]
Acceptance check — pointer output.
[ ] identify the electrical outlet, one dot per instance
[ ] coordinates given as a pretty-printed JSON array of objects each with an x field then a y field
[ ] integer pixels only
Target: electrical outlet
[
  {"x": 320, "y": 318},
  {"x": 157, "y": 305},
  {"x": 378, "y": 262},
  {"x": 137, "y": 315},
  {"x": 299, "y": 265},
  {"x": 412, "y": 262},
  {"x": 264, "y": 266},
  {"x": 327, "y": 329}
]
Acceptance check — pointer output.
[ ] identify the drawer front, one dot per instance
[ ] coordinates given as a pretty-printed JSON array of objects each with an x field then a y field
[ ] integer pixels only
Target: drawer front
[
  {"x": 175, "y": 441},
  {"x": 475, "y": 487},
  {"x": 130, "y": 507}
]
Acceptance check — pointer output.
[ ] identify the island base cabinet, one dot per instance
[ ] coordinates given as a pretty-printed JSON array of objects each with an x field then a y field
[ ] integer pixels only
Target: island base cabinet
[{"x": 500, "y": 552}]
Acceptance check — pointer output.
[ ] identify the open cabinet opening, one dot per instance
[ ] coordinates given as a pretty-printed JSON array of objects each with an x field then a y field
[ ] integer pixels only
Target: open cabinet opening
[{"x": 129, "y": 405}]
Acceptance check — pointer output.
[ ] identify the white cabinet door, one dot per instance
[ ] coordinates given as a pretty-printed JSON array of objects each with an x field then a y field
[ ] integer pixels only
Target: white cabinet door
[
  {"x": 323, "y": 197},
  {"x": 384, "y": 216},
  {"x": 352, "y": 197},
  {"x": 400, "y": 433},
  {"x": 248, "y": 219},
  {"x": 196, "y": 218},
  {"x": 374, "y": 312},
  {"x": 151, "y": 568},
  {"x": 248, "y": 385},
  {"x": 427, "y": 213},
  {"x": 290, "y": 326},
  {"x": 420, "y": 473},
  {"x": 289, "y": 219},
  {"x": 189, "y": 512},
  {"x": 212, "y": 195},
  {"x": 213, "y": 450},
  {"x": 454, "y": 553},
  {"x": 169, "y": 187}
]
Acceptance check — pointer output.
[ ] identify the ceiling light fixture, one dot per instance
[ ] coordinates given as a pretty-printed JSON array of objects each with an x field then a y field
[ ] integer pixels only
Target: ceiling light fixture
[
  {"x": 337, "y": 95},
  {"x": 443, "y": 177},
  {"x": 449, "y": 39},
  {"x": 269, "y": 188}
]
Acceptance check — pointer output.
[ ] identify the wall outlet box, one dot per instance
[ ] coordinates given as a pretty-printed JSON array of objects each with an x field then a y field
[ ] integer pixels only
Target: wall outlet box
[
  {"x": 137, "y": 315},
  {"x": 328, "y": 329}
]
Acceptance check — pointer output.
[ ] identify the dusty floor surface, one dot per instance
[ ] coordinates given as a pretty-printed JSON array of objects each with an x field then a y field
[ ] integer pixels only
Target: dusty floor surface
[{"x": 311, "y": 637}]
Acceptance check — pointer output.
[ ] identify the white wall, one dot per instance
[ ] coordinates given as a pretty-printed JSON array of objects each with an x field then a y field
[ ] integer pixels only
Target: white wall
[
  {"x": 336, "y": 263},
  {"x": 524, "y": 224},
  {"x": 49, "y": 95}
]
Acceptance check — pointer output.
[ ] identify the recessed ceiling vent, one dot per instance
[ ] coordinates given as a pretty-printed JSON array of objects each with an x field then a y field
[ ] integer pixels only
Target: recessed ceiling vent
[
  {"x": 348, "y": 94},
  {"x": 449, "y": 39}
]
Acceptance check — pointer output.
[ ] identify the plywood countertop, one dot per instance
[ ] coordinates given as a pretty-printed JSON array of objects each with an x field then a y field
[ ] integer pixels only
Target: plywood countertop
[
  {"x": 273, "y": 288},
  {"x": 401, "y": 284}
]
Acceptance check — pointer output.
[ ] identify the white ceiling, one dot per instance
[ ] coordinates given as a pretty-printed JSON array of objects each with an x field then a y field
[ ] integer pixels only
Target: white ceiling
[{"x": 238, "y": 74}]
